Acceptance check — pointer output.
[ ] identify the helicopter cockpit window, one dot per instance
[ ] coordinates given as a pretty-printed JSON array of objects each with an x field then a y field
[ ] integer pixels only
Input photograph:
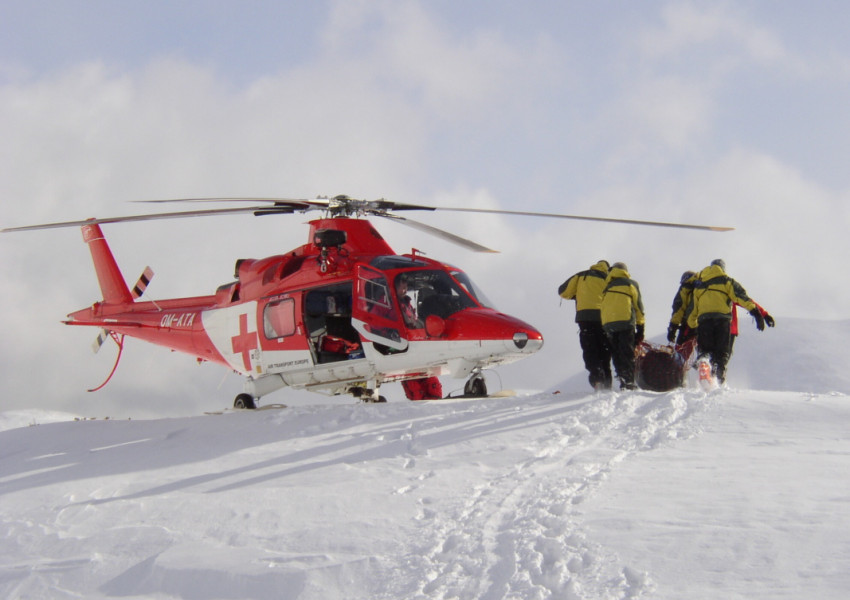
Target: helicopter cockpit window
[
  {"x": 472, "y": 289},
  {"x": 279, "y": 319},
  {"x": 435, "y": 292},
  {"x": 406, "y": 302}
]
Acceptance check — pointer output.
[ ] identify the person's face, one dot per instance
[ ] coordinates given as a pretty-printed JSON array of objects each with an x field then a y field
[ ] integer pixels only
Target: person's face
[{"x": 401, "y": 287}]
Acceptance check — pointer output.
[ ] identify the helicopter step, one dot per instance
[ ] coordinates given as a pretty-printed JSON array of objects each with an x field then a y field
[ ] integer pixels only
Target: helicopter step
[{"x": 366, "y": 394}]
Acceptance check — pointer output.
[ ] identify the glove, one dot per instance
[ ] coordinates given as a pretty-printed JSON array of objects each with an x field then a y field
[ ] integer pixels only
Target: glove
[
  {"x": 759, "y": 319},
  {"x": 638, "y": 334},
  {"x": 671, "y": 332},
  {"x": 769, "y": 321}
]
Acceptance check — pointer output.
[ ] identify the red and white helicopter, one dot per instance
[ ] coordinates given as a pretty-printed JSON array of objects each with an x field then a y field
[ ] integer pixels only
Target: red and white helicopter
[{"x": 331, "y": 315}]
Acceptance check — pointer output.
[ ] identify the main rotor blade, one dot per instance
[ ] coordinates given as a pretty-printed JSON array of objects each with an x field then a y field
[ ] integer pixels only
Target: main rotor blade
[
  {"x": 455, "y": 239},
  {"x": 297, "y": 203},
  {"x": 580, "y": 218},
  {"x": 353, "y": 204},
  {"x": 346, "y": 206},
  {"x": 147, "y": 217}
]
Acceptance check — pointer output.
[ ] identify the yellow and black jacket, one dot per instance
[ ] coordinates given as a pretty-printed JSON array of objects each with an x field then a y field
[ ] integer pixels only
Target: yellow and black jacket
[
  {"x": 622, "y": 305},
  {"x": 586, "y": 289},
  {"x": 683, "y": 302},
  {"x": 715, "y": 293}
]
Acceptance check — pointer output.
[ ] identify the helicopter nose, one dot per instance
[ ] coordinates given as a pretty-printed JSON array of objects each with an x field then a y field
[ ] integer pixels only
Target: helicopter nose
[{"x": 510, "y": 335}]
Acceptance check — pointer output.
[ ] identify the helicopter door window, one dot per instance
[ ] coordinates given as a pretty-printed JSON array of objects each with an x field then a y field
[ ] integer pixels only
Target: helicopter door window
[
  {"x": 279, "y": 319},
  {"x": 375, "y": 316},
  {"x": 377, "y": 298}
]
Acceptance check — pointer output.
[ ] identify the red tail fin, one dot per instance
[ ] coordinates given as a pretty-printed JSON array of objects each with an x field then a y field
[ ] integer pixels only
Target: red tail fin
[{"x": 112, "y": 283}]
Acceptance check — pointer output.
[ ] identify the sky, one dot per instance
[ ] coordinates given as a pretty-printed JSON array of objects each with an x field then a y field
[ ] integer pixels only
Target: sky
[{"x": 719, "y": 113}]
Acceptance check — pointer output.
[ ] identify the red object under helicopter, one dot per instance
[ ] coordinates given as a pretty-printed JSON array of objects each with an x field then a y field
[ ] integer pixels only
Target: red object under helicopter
[{"x": 327, "y": 316}]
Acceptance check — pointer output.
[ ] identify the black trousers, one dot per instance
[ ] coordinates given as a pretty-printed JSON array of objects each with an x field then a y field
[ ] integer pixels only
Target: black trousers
[
  {"x": 714, "y": 341},
  {"x": 622, "y": 344},
  {"x": 596, "y": 353}
]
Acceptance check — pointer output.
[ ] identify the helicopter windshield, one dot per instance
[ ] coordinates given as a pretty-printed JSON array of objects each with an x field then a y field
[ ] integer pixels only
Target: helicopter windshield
[
  {"x": 472, "y": 289},
  {"x": 433, "y": 292}
]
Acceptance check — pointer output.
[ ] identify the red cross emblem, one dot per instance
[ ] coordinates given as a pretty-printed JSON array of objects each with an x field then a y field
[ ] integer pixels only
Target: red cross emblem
[{"x": 244, "y": 342}]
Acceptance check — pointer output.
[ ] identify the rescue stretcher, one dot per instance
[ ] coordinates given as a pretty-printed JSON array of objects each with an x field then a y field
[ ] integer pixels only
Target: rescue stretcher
[{"x": 661, "y": 368}]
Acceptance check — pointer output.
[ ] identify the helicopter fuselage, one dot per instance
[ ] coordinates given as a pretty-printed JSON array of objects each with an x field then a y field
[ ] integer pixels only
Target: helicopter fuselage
[{"x": 338, "y": 314}]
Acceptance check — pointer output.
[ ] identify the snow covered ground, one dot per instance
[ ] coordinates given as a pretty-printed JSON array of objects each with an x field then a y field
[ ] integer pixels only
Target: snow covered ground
[{"x": 562, "y": 494}]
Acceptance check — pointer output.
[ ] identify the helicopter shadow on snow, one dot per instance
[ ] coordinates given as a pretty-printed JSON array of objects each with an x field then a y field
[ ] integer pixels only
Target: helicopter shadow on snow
[
  {"x": 412, "y": 440},
  {"x": 359, "y": 434}
]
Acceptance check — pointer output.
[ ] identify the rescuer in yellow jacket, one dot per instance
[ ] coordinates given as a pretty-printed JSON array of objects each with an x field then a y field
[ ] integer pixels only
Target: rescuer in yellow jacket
[
  {"x": 623, "y": 321},
  {"x": 683, "y": 304},
  {"x": 585, "y": 287},
  {"x": 715, "y": 295}
]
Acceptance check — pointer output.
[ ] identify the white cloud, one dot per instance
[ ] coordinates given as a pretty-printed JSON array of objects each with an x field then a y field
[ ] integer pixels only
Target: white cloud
[
  {"x": 405, "y": 47},
  {"x": 686, "y": 26},
  {"x": 663, "y": 117}
]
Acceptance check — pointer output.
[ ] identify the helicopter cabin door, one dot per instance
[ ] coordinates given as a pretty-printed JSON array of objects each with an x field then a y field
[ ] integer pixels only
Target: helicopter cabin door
[
  {"x": 374, "y": 313},
  {"x": 327, "y": 320}
]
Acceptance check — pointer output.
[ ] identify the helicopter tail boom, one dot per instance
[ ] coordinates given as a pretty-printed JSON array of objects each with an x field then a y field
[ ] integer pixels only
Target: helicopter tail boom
[{"x": 112, "y": 284}]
